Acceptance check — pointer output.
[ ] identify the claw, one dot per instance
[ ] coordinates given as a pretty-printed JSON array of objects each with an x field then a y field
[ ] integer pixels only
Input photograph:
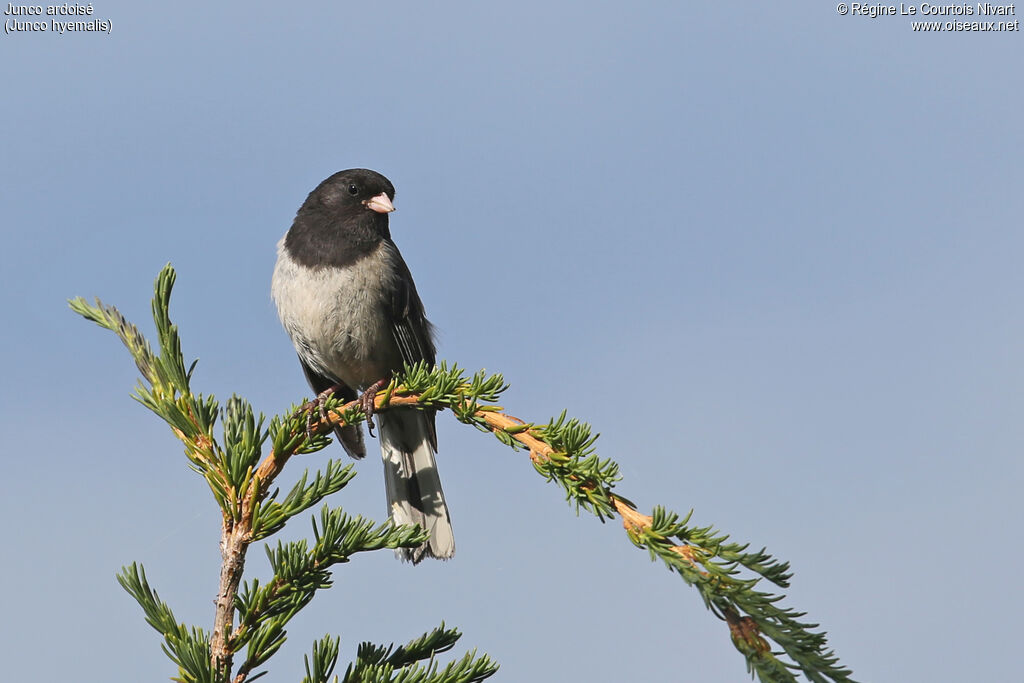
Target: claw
[
  {"x": 317, "y": 404},
  {"x": 367, "y": 398}
]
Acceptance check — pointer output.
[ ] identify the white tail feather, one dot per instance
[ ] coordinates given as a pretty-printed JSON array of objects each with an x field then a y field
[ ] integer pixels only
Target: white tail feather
[{"x": 413, "y": 484}]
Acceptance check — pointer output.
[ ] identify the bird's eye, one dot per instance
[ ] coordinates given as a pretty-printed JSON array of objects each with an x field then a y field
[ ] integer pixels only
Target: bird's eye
[{"x": 353, "y": 190}]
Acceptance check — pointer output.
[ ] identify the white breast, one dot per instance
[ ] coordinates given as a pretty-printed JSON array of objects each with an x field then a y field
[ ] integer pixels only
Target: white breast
[{"x": 335, "y": 315}]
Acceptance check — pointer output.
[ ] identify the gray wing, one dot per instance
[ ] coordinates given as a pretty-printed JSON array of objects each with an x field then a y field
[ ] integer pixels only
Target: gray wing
[{"x": 413, "y": 333}]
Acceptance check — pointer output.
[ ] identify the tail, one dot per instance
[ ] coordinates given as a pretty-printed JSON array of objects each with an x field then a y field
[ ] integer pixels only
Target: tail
[{"x": 412, "y": 482}]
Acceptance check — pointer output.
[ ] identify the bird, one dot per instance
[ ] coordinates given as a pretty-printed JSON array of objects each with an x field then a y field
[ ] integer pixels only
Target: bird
[{"x": 347, "y": 300}]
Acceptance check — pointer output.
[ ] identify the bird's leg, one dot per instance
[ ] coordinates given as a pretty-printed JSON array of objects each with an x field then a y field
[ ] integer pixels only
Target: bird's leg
[
  {"x": 317, "y": 404},
  {"x": 366, "y": 400}
]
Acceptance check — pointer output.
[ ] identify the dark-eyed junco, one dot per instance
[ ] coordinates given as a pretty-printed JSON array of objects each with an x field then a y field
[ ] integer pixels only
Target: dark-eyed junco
[{"x": 348, "y": 302}]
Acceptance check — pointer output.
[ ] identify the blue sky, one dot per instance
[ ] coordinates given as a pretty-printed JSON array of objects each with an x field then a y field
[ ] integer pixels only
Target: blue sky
[{"x": 771, "y": 253}]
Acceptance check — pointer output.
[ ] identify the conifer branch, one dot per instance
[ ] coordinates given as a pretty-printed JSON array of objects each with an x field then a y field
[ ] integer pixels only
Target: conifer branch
[
  {"x": 726, "y": 574},
  {"x": 562, "y": 452}
]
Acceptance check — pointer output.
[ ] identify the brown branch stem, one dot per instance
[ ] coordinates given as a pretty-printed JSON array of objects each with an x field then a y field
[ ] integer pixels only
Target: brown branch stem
[
  {"x": 234, "y": 541},
  {"x": 498, "y": 421}
]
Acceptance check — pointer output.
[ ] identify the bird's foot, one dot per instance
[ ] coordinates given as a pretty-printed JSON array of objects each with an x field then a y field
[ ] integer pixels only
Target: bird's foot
[
  {"x": 366, "y": 401},
  {"x": 317, "y": 406}
]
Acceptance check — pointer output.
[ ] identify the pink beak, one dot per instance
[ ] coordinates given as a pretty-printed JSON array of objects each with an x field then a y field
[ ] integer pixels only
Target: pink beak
[{"x": 381, "y": 203}]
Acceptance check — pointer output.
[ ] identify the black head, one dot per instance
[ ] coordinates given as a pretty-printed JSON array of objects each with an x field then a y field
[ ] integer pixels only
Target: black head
[{"x": 344, "y": 218}]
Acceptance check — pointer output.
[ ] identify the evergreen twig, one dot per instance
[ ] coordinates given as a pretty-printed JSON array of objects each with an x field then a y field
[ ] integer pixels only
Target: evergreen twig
[{"x": 726, "y": 574}]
